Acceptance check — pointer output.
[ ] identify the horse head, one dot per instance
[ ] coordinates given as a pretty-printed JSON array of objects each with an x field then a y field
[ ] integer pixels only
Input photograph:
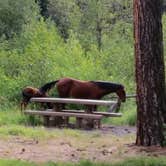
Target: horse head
[
  {"x": 28, "y": 93},
  {"x": 121, "y": 93}
]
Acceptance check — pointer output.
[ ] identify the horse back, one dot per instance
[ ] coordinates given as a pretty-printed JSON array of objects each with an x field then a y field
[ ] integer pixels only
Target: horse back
[{"x": 68, "y": 87}]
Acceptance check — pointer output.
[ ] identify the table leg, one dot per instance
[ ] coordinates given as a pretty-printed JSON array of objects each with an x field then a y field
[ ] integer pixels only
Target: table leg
[
  {"x": 46, "y": 121},
  {"x": 78, "y": 122}
]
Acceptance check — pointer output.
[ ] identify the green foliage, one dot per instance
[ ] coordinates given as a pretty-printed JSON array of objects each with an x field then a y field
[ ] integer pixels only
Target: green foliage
[
  {"x": 14, "y": 15},
  {"x": 118, "y": 56},
  {"x": 128, "y": 117},
  {"x": 35, "y": 52},
  {"x": 65, "y": 14},
  {"x": 98, "y": 18},
  {"x": 13, "y": 116},
  {"x": 40, "y": 55}
]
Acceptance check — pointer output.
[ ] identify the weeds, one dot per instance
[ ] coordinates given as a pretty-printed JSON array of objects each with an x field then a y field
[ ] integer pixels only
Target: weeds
[{"x": 129, "y": 162}]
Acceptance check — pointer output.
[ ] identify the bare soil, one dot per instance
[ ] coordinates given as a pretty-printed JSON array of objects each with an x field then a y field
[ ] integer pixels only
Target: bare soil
[{"x": 111, "y": 143}]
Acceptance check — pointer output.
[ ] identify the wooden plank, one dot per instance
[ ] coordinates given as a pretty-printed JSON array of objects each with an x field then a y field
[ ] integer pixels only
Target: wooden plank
[
  {"x": 65, "y": 114},
  {"x": 72, "y": 101},
  {"x": 106, "y": 114}
]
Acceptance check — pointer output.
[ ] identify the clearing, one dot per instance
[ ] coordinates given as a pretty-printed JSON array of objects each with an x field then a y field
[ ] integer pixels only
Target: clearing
[{"x": 111, "y": 143}]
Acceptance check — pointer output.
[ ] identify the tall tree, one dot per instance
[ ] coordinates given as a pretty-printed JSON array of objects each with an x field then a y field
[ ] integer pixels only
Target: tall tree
[
  {"x": 98, "y": 19},
  {"x": 43, "y": 8},
  {"x": 65, "y": 14},
  {"x": 150, "y": 76},
  {"x": 14, "y": 15}
]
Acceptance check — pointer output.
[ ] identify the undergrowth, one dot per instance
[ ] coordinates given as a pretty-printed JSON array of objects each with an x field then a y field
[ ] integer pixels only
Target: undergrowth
[
  {"x": 12, "y": 115},
  {"x": 128, "y": 110},
  {"x": 148, "y": 161}
]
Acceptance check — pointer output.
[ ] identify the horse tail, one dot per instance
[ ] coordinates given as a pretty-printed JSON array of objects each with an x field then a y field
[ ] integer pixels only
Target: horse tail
[{"x": 47, "y": 86}]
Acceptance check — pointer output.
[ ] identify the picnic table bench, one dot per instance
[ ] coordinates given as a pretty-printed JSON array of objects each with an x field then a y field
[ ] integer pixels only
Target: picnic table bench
[{"x": 84, "y": 118}]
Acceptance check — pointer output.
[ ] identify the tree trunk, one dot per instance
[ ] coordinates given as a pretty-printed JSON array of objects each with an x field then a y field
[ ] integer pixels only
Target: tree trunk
[
  {"x": 44, "y": 8},
  {"x": 99, "y": 34},
  {"x": 150, "y": 75}
]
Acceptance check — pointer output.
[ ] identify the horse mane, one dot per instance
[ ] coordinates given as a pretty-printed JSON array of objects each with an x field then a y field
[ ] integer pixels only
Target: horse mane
[
  {"x": 47, "y": 86},
  {"x": 108, "y": 85}
]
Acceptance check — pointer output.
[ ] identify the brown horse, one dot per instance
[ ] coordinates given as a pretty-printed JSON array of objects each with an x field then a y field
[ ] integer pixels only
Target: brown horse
[
  {"x": 69, "y": 87},
  {"x": 29, "y": 92}
]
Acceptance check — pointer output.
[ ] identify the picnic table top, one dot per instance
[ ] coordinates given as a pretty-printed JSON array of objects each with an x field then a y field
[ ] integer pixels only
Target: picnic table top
[{"x": 72, "y": 101}]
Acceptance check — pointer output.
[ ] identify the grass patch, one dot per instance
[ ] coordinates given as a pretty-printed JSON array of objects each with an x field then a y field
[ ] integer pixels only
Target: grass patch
[
  {"x": 161, "y": 161},
  {"x": 37, "y": 132},
  {"x": 128, "y": 111},
  {"x": 16, "y": 130},
  {"x": 42, "y": 133},
  {"x": 13, "y": 116},
  {"x": 4, "y": 162}
]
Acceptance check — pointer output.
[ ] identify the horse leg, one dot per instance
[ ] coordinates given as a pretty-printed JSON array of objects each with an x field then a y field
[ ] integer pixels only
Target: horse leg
[
  {"x": 63, "y": 105},
  {"x": 49, "y": 105},
  {"x": 118, "y": 105},
  {"x": 60, "y": 106},
  {"x": 91, "y": 108},
  {"x": 94, "y": 107},
  {"x": 23, "y": 105}
]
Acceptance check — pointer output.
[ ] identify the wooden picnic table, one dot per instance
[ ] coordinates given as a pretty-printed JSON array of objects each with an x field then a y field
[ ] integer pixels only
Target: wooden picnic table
[{"x": 84, "y": 118}]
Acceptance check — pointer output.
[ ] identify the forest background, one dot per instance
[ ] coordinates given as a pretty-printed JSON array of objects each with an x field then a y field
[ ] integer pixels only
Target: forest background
[{"x": 45, "y": 40}]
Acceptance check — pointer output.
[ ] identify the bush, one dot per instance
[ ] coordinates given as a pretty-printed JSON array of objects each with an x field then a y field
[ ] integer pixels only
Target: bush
[
  {"x": 39, "y": 55},
  {"x": 15, "y": 14}
]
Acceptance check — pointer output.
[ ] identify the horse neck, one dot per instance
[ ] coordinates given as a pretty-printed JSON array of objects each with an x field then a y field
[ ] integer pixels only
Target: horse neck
[
  {"x": 40, "y": 93},
  {"x": 107, "y": 91},
  {"x": 110, "y": 90},
  {"x": 107, "y": 87}
]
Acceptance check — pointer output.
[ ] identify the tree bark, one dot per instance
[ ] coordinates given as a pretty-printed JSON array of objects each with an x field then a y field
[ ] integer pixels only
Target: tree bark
[{"x": 150, "y": 75}]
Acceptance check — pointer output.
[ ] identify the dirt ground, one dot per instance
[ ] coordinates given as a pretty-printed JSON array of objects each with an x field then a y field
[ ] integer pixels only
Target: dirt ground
[{"x": 111, "y": 143}]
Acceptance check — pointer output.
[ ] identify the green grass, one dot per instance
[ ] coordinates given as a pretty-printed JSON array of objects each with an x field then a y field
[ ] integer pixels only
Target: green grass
[
  {"x": 128, "y": 111},
  {"x": 13, "y": 116},
  {"x": 4, "y": 162},
  {"x": 16, "y": 130},
  {"x": 39, "y": 132},
  {"x": 129, "y": 162},
  {"x": 13, "y": 123}
]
